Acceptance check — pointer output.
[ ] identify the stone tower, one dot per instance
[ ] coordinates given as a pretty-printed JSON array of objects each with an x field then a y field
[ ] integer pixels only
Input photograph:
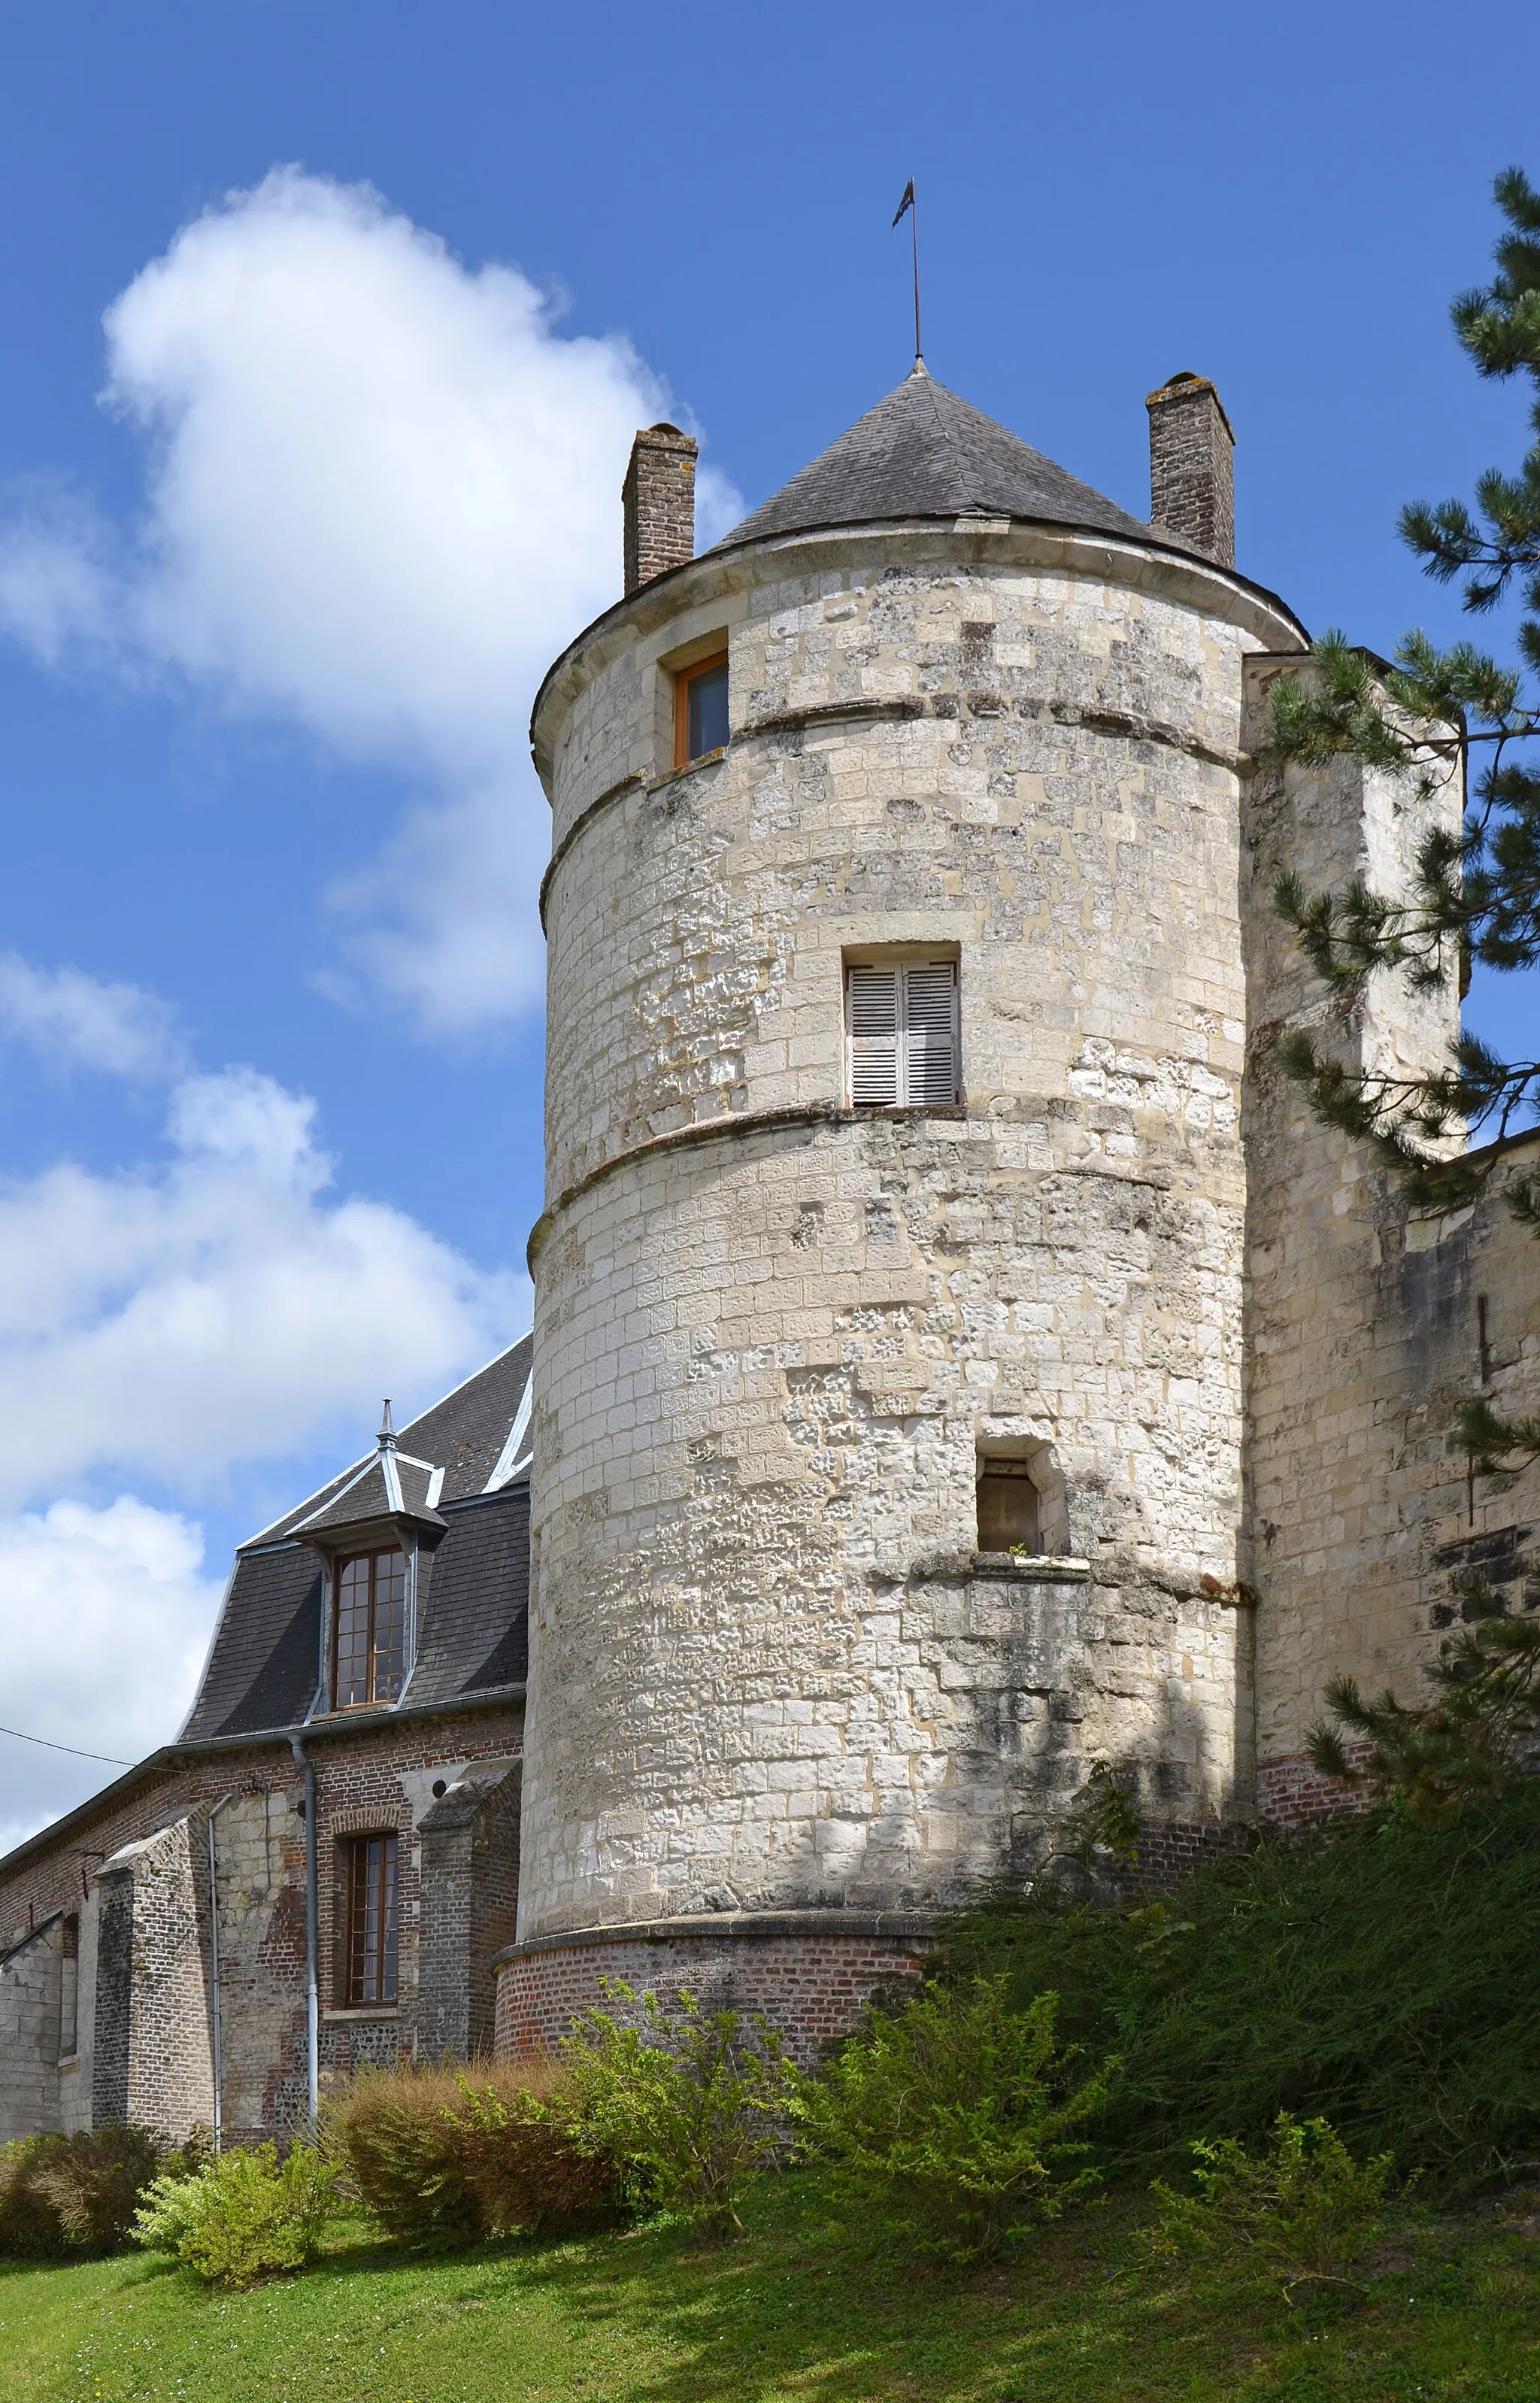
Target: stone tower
[{"x": 888, "y": 1331}]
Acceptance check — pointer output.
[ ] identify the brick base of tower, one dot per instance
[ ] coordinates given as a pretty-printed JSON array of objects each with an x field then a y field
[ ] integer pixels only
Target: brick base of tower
[{"x": 810, "y": 1973}]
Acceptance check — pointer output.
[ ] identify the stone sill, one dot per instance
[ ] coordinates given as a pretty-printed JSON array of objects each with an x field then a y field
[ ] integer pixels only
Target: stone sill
[
  {"x": 1030, "y": 1569},
  {"x": 365, "y": 2011}
]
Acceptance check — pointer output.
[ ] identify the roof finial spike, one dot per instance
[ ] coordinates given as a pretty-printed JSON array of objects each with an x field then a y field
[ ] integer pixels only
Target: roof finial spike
[
  {"x": 909, "y": 207},
  {"x": 387, "y": 1432}
]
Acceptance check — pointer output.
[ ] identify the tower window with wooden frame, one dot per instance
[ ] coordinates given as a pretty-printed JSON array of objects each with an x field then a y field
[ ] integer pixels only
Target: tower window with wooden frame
[
  {"x": 699, "y": 709},
  {"x": 368, "y": 1658},
  {"x": 902, "y": 1035},
  {"x": 370, "y": 1865}
]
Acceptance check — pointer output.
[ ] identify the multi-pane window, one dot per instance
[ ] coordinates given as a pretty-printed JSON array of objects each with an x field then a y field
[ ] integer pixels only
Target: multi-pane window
[
  {"x": 901, "y": 1029},
  {"x": 370, "y": 1965},
  {"x": 369, "y": 1647},
  {"x": 699, "y": 709}
]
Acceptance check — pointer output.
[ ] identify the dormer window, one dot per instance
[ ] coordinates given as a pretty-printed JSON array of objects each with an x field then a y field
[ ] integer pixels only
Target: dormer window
[
  {"x": 369, "y": 1643},
  {"x": 699, "y": 709}
]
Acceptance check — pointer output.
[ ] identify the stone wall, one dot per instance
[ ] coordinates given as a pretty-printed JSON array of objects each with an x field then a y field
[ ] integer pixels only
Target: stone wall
[
  {"x": 30, "y": 1977},
  {"x": 470, "y": 1909},
  {"x": 772, "y": 1334},
  {"x": 1364, "y": 1325},
  {"x": 154, "y": 2060}
]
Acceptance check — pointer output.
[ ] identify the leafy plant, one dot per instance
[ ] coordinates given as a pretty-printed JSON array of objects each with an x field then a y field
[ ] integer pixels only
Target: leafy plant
[
  {"x": 442, "y": 2156},
  {"x": 1302, "y": 2214},
  {"x": 524, "y": 2167},
  {"x": 393, "y": 2137},
  {"x": 243, "y": 2216},
  {"x": 687, "y": 2106},
  {"x": 955, "y": 2114},
  {"x": 70, "y": 2194}
]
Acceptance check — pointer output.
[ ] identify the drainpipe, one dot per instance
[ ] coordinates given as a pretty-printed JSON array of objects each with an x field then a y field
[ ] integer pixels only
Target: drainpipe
[
  {"x": 313, "y": 1997},
  {"x": 213, "y": 1957}
]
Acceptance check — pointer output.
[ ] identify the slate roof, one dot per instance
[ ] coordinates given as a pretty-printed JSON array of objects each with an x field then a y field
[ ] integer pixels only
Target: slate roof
[
  {"x": 923, "y": 452},
  {"x": 473, "y": 1577}
]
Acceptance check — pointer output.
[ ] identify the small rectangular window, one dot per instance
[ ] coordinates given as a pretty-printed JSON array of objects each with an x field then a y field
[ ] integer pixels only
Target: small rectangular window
[
  {"x": 901, "y": 1026},
  {"x": 370, "y": 1644},
  {"x": 699, "y": 709},
  {"x": 371, "y": 1909},
  {"x": 1008, "y": 1515}
]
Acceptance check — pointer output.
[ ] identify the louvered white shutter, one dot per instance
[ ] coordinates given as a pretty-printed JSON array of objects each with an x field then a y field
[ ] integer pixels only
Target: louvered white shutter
[
  {"x": 930, "y": 1034},
  {"x": 872, "y": 1005}
]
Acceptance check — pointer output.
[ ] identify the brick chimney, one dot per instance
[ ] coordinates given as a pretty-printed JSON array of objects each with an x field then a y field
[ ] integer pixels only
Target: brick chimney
[
  {"x": 1193, "y": 466},
  {"x": 658, "y": 501}
]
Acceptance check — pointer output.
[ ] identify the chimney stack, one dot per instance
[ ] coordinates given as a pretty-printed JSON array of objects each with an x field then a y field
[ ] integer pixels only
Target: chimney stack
[
  {"x": 1193, "y": 466},
  {"x": 658, "y": 501}
]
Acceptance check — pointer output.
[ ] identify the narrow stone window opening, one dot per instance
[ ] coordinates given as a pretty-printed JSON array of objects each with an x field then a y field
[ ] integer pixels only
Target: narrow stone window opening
[
  {"x": 701, "y": 709},
  {"x": 69, "y": 1989},
  {"x": 1009, "y": 1516},
  {"x": 902, "y": 1035},
  {"x": 370, "y": 1865}
]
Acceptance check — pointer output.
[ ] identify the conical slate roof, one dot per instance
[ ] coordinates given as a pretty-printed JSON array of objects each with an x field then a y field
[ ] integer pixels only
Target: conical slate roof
[{"x": 923, "y": 452}]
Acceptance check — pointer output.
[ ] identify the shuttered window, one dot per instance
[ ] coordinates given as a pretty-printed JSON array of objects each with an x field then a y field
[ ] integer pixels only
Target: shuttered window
[{"x": 902, "y": 1025}]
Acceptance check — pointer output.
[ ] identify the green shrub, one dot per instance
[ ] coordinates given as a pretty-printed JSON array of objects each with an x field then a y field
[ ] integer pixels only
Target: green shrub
[
  {"x": 686, "y": 2107},
  {"x": 441, "y": 2158},
  {"x": 1381, "y": 1977},
  {"x": 392, "y": 2136},
  {"x": 955, "y": 2116},
  {"x": 526, "y": 2171},
  {"x": 243, "y": 2216},
  {"x": 1302, "y": 2214},
  {"x": 62, "y": 2194}
]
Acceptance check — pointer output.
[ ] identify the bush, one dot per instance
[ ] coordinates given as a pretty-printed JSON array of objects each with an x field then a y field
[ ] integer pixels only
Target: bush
[
  {"x": 1379, "y": 1977},
  {"x": 393, "y": 2137},
  {"x": 685, "y": 2108},
  {"x": 1302, "y": 2214},
  {"x": 243, "y": 2216},
  {"x": 954, "y": 2115},
  {"x": 62, "y": 2194},
  {"x": 441, "y": 2158}
]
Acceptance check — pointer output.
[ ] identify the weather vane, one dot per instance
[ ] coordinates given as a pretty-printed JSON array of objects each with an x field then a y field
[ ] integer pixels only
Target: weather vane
[{"x": 909, "y": 207}]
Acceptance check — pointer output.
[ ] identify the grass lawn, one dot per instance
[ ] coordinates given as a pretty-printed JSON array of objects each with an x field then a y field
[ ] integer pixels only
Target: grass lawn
[{"x": 816, "y": 2313}]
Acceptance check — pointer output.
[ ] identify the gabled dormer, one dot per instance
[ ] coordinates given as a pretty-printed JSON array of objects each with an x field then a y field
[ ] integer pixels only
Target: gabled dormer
[{"x": 371, "y": 1536}]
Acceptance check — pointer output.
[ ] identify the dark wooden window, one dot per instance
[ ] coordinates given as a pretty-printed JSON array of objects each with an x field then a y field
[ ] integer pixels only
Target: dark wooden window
[
  {"x": 370, "y": 1966},
  {"x": 1009, "y": 1517},
  {"x": 901, "y": 1028},
  {"x": 699, "y": 709},
  {"x": 368, "y": 1661}
]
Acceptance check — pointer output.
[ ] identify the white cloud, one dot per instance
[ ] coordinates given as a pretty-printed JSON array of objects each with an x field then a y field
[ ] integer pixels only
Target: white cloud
[
  {"x": 76, "y": 1021},
  {"x": 118, "y": 1595},
  {"x": 221, "y": 1309},
  {"x": 382, "y": 491}
]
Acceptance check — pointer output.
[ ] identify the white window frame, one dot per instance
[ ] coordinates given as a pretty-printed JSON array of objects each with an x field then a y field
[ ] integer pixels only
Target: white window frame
[{"x": 906, "y": 1078}]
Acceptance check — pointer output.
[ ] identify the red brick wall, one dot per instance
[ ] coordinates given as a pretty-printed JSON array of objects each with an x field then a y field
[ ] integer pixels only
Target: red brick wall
[{"x": 811, "y": 1988}]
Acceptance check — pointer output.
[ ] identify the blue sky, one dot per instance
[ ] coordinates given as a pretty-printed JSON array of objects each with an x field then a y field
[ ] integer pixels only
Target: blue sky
[{"x": 326, "y": 326}]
